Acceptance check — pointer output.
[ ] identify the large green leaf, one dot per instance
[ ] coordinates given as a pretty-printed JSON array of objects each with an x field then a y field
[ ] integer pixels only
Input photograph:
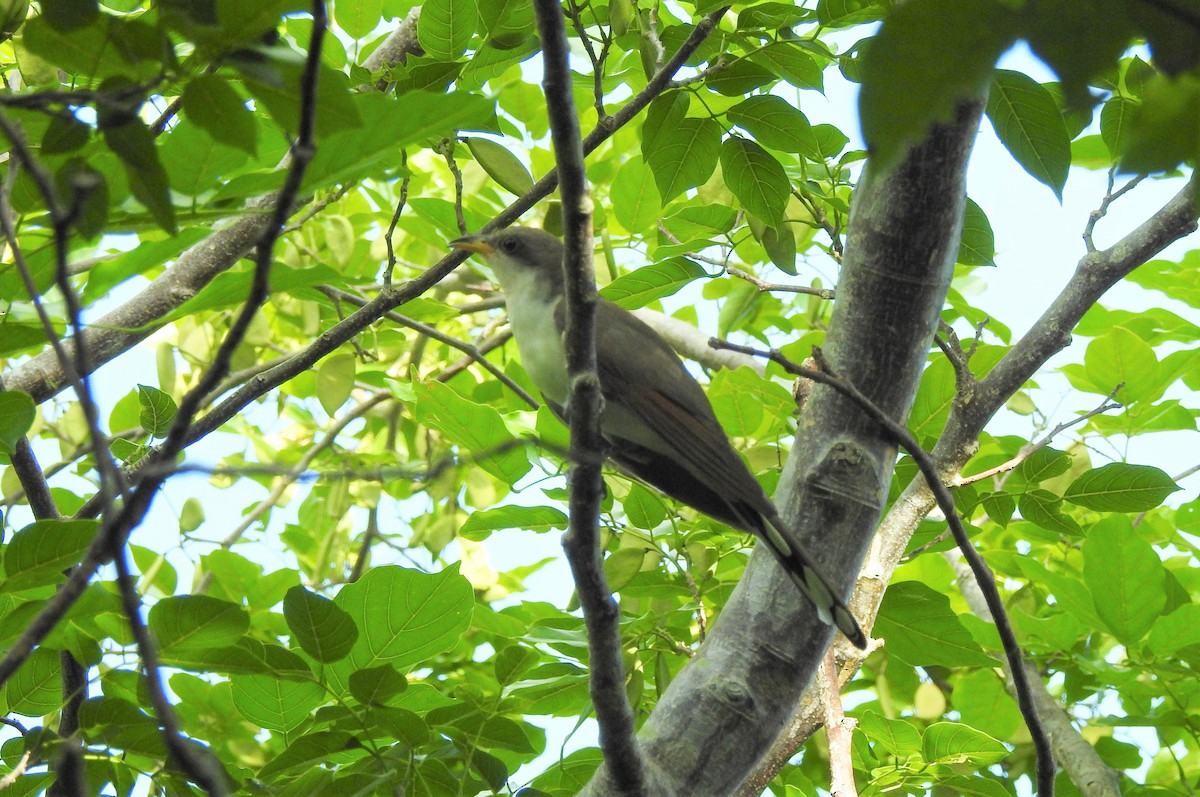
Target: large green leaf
[
  {"x": 482, "y": 523},
  {"x": 476, "y": 427},
  {"x": 325, "y": 632},
  {"x": 651, "y": 283},
  {"x": 682, "y": 153},
  {"x": 756, "y": 178},
  {"x": 1126, "y": 578},
  {"x": 39, "y": 553},
  {"x": 17, "y": 413},
  {"x": 196, "y": 621},
  {"x": 1121, "y": 487},
  {"x": 956, "y": 743},
  {"x": 404, "y": 618},
  {"x": 1030, "y": 126},
  {"x": 273, "y": 703},
  {"x": 922, "y": 630},
  {"x": 446, "y": 26}
]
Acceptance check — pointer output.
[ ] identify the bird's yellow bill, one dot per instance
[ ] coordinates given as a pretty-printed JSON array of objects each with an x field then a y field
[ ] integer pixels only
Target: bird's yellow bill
[{"x": 472, "y": 243}]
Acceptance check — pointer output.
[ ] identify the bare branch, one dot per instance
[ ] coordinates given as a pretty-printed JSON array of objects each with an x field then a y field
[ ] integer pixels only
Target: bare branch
[
  {"x": 622, "y": 758},
  {"x": 764, "y": 286},
  {"x": 983, "y": 575},
  {"x": 1028, "y": 450}
]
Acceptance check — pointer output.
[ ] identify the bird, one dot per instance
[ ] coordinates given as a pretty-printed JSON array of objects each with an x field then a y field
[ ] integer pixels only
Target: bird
[{"x": 657, "y": 423}]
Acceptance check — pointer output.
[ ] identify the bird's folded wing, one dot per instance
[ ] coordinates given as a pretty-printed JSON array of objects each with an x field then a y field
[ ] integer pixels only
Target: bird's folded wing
[{"x": 669, "y": 401}]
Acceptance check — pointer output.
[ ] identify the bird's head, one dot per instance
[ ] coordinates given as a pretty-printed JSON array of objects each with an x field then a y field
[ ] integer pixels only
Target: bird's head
[{"x": 517, "y": 255}]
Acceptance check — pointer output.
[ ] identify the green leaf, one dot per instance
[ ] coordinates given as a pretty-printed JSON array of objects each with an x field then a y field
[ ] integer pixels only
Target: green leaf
[
  {"x": 977, "y": 246},
  {"x": 756, "y": 178},
  {"x": 633, "y": 197},
  {"x": 1044, "y": 464},
  {"x": 87, "y": 190},
  {"x": 956, "y": 743},
  {"x": 1120, "y": 357},
  {"x": 500, "y": 164},
  {"x": 65, "y": 134},
  {"x": 335, "y": 381},
  {"x": 787, "y": 60},
  {"x": 983, "y": 704},
  {"x": 922, "y": 630},
  {"x": 210, "y": 102},
  {"x": 1043, "y": 508},
  {"x": 643, "y": 508},
  {"x": 274, "y": 83},
  {"x": 1029, "y": 124},
  {"x": 446, "y": 26},
  {"x": 196, "y": 622},
  {"x": 1166, "y": 128},
  {"x": 389, "y": 127},
  {"x": 86, "y": 52},
  {"x": 358, "y": 17},
  {"x": 375, "y": 686},
  {"x": 273, "y": 703},
  {"x": 1116, "y": 121},
  {"x": 404, "y": 617},
  {"x": 477, "y": 427},
  {"x": 1126, "y": 578},
  {"x": 36, "y": 688},
  {"x": 1173, "y": 632},
  {"x": 69, "y": 15},
  {"x": 701, "y": 222},
  {"x": 157, "y": 410},
  {"x": 775, "y": 123},
  {"x": 1121, "y": 487},
  {"x": 133, "y": 143},
  {"x": 39, "y": 553},
  {"x": 739, "y": 78},
  {"x": 17, "y": 413},
  {"x": 651, "y": 283},
  {"x": 312, "y": 749},
  {"x": 743, "y": 399},
  {"x": 622, "y": 566},
  {"x": 324, "y": 631},
  {"x": 479, "y": 525},
  {"x": 899, "y": 737},
  {"x": 681, "y": 156},
  {"x": 907, "y": 85},
  {"x": 1177, "y": 279}
]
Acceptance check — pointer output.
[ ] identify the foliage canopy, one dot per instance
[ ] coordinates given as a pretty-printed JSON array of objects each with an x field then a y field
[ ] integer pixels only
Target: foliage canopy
[{"x": 326, "y": 615}]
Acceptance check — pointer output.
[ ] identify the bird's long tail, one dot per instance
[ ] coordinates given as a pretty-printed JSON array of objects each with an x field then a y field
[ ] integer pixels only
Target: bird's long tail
[{"x": 804, "y": 573}]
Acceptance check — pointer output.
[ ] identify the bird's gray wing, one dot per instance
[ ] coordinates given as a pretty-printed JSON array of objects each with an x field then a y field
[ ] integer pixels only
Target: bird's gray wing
[{"x": 670, "y": 403}]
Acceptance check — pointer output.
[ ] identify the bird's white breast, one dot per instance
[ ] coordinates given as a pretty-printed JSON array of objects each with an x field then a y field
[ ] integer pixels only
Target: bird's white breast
[{"x": 531, "y": 315}]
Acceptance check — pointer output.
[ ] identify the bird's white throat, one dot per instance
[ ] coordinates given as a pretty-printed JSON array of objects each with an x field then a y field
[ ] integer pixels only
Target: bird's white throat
[{"x": 531, "y": 309}]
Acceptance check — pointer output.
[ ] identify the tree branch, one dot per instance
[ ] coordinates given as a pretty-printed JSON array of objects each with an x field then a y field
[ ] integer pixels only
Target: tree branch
[
  {"x": 722, "y": 711},
  {"x": 622, "y": 758}
]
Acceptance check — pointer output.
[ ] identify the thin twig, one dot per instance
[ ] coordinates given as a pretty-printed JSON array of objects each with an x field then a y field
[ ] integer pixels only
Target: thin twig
[
  {"x": 1030, "y": 449},
  {"x": 391, "y": 230},
  {"x": 618, "y": 740},
  {"x": 292, "y": 474},
  {"x": 987, "y": 583},
  {"x": 199, "y": 765},
  {"x": 441, "y": 337},
  {"x": 764, "y": 286},
  {"x": 1110, "y": 196},
  {"x": 839, "y": 730},
  {"x": 75, "y": 368}
]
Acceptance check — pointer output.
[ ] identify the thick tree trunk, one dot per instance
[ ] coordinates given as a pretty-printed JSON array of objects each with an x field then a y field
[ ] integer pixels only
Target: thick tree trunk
[{"x": 722, "y": 712}]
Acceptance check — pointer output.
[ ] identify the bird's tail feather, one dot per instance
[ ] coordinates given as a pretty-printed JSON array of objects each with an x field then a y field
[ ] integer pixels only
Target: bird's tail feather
[{"x": 808, "y": 579}]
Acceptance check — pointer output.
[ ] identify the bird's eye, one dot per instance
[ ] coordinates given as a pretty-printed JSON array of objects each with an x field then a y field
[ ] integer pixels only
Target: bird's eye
[{"x": 509, "y": 245}]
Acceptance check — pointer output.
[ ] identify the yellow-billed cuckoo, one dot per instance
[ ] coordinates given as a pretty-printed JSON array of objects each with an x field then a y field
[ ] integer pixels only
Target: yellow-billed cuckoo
[{"x": 657, "y": 422}]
